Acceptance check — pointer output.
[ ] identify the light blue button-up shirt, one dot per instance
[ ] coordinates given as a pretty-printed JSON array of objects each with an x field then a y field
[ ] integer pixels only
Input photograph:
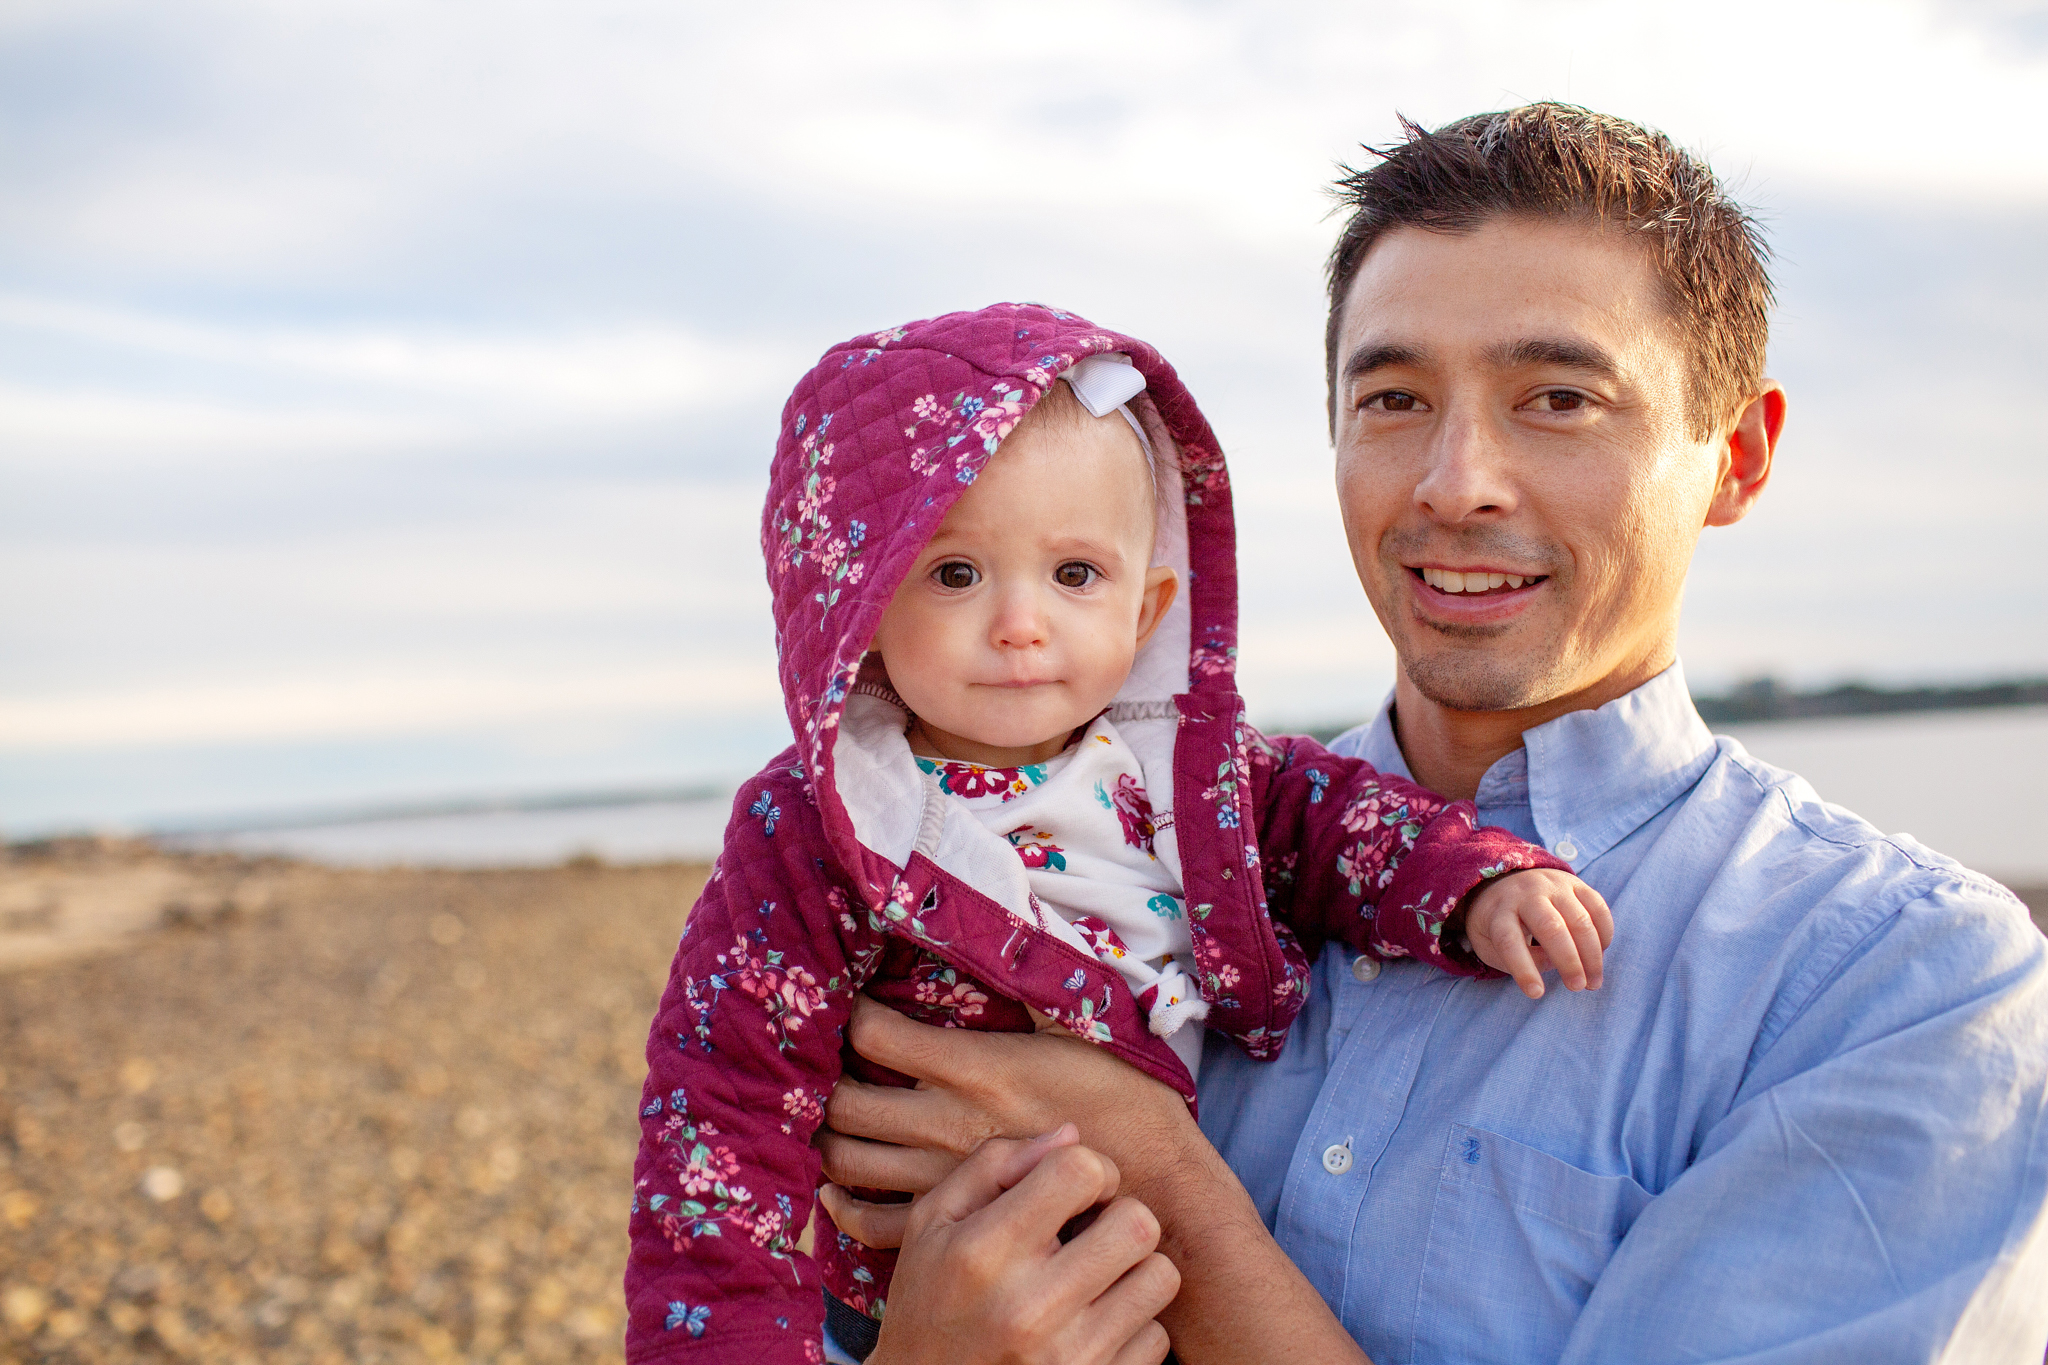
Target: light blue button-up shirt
[{"x": 1803, "y": 1120}]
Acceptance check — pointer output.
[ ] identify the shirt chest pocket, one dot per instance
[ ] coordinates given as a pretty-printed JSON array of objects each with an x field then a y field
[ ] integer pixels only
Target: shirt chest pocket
[{"x": 1517, "y": 1239}]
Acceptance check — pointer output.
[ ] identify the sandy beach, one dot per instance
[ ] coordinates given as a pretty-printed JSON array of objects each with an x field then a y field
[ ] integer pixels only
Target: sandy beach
[
  {"x": 372, "y": 1116},
  {"x": 261, "y": 1111}
]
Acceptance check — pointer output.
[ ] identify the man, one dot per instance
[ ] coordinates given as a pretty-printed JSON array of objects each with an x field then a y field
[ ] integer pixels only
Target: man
[{"x": 1804, "y": 1118}]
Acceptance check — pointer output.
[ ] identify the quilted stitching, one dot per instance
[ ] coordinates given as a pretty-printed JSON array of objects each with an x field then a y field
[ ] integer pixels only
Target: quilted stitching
[{"x": 876, "y": 443}]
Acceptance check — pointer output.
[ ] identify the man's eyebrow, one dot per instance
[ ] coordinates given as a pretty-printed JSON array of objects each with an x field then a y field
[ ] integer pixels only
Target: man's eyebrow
[
  {"x": 1564, "y": 352},
  {"x": 1381, "y": 356}
]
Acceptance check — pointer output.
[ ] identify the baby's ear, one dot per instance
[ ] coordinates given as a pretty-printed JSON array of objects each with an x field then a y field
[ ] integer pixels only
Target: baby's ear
[{"x": 1162, "y": 585}]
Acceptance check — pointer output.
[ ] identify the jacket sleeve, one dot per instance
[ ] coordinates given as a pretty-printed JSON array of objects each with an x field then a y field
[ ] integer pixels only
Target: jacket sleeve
[
  {"x": 743, "y": 1053},
  {"x": 1359, "y": 855}
]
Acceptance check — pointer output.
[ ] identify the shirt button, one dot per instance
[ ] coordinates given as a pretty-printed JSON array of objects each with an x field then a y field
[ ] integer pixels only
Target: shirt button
[
  {"x": 1365, "y": 967},
  {"x": 1565, "y": 848},
  {"x": 1337, "y": 1157}
]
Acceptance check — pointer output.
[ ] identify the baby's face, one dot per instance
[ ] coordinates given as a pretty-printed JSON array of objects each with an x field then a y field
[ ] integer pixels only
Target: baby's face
[{"x": 1023, "y": 615}]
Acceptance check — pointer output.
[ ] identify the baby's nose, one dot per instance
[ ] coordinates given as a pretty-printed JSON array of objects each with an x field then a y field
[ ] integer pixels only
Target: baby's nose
[{"x": 1020, "y": 620}]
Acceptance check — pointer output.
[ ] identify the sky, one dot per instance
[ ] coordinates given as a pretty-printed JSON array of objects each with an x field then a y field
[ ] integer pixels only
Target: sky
[{"x": 386, "y": 391}]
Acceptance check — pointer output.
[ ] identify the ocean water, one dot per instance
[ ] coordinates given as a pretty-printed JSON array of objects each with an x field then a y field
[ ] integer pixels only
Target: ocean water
[
  {"x": 639, "y": 832},
  {"x": 1971, "y": 784}
]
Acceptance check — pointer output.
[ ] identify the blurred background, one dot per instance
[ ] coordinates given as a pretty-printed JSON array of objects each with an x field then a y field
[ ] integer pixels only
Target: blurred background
[
  {"x": 386, "y": 391},
  {"x": 386, "y": 396}
]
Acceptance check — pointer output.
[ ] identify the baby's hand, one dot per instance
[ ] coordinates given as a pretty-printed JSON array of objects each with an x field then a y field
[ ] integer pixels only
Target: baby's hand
[{"x": 1566, "y": 918}]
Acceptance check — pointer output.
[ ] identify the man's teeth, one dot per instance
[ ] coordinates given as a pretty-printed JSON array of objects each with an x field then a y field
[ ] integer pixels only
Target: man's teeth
[{"x": 1450, "y": 580}]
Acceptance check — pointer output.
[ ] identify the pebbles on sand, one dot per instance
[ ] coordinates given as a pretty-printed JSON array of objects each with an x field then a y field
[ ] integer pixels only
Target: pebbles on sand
[{"x": 392, "y": 1120}]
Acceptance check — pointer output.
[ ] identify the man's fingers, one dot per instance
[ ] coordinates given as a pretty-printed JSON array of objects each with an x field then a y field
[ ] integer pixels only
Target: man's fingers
[
  {"x": 880, "y": 1226},
  {"x": 1056, "y": 1181},
  {"x": 899, "y": 1114},
  {"x": 853, "y": 1161},
  {"x": 1137, "y": 1298},
  {"x": 1148, "y": 1347},
  {"x": 900, "y": 1043},
  {"x": 1123, "y": 1234},
  {"x": 1000, "y": 1164}
]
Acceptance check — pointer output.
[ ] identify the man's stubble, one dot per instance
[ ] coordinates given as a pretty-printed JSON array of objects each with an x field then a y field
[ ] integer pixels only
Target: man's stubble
[{"x": 1462, "y": 667}]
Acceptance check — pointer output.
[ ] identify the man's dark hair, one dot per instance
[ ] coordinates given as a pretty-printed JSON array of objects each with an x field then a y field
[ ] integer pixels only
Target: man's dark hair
[{"x": 1561, "y": 161}]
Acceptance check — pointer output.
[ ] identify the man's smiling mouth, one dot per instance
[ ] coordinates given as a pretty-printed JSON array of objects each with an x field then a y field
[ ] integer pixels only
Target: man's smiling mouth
[{"x": 1472, "y": 582}]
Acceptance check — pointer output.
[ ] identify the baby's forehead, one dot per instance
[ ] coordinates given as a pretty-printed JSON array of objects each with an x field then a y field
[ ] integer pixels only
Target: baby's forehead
[
  {"x": 1100, "y": 457},
  {"x": 1060, "y": 429},
  {"x": 1050, "y": 475}
]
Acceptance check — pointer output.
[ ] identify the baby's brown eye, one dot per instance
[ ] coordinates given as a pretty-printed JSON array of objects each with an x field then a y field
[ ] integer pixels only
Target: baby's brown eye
[
  {"x": 1074, "y": 575},
  {"x": 954, "y": 574}
]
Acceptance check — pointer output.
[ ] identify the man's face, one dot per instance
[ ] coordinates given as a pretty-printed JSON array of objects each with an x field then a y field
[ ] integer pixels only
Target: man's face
[{"x": 1520, "y": 489}]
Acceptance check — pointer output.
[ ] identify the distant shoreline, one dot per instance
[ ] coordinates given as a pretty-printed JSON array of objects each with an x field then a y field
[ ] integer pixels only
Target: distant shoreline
[
  {"x": 319, "y": 817},
  {"x": 1767, "y": 699},
  {"x": 1760, "y": 701}
]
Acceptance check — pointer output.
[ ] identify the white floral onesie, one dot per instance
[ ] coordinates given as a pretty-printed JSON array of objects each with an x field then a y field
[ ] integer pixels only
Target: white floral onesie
[{"x": 1084, "y": 827}]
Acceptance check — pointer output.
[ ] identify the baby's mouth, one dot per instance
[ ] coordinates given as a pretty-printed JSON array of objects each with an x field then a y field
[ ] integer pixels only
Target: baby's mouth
[{"x": 1476, "y": 582}]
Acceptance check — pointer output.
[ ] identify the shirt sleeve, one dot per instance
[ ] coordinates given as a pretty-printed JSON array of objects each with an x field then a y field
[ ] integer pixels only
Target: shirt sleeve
[
  {"x": 1359, "y": 855},
  {"x": 1876, "y": 1191},
  {"x": 743, "y": 1053}
]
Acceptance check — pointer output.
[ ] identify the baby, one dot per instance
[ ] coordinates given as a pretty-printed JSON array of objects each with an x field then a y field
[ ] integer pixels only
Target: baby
[{"x": 1023, "y": 789}]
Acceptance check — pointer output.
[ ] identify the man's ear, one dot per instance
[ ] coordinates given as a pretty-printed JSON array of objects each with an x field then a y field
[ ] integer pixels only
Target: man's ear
[
  {"x": 1162, "y": 585},
  {"x": 1746, "y": 456}
]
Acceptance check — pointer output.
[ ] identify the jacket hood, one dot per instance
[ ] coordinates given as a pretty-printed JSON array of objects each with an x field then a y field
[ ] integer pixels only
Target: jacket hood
[{"x": 876, "y": 443}]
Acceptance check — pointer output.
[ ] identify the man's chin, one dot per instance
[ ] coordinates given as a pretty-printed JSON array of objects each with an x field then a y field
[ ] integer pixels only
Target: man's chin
[{"x": 1471, "y": 682}]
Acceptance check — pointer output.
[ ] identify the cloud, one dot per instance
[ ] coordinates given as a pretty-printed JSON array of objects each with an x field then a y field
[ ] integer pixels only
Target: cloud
[
  {"x": 377, "y": 705},
  {"x": 386, "y": 389},
  {"x": 617, "y": 372},
  {"x": 380, "y": 374},
  {"x": 64, "y": 425},
  {"x": 336, "y": 132}
]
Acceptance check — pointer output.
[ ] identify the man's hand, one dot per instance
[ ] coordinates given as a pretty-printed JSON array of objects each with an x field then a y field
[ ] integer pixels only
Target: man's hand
[
  {"x": 1241, "y": 1300},
  {"x": 1528, "y": 922},
  {"x": 983, "y": 1276},
  {"x": 978, "y": 1086}
]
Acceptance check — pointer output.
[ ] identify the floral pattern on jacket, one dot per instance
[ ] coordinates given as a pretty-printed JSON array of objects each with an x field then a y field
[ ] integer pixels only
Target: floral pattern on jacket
[{"x": 798, "y": 916}]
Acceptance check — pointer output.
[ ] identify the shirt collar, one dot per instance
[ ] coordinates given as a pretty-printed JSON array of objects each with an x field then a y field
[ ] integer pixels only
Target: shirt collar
[{"x": 1589, "y": 778}]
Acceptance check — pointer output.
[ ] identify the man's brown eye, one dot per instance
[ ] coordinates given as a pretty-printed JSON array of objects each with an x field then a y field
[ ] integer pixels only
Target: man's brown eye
[
  {"x": 1564, "y": 400},
  {"x": 954, "y": 574},
  {"x": 1075, "y": 575},
  {"x": 1392, "y": 402}
]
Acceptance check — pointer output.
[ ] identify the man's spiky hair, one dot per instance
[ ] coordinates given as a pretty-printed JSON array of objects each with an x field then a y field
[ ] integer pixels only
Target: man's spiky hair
[{"x": 1560, "y": 161}]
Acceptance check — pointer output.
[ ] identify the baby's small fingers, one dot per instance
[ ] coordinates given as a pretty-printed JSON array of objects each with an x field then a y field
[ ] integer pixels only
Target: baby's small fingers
[
  {"x": 1504, "y": 946},
  {"x": 1551, "y": 924},
  {"x": 1585, "y": 927},
  {"x": 1596, "y": 906}
]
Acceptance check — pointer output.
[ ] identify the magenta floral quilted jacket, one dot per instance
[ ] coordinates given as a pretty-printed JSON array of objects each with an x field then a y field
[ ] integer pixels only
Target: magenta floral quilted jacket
[{"x": 847, "y": 868}]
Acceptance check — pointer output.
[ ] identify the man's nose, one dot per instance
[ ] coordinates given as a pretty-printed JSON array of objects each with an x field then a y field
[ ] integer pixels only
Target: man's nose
[{"x": 1467, "y": 474}]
